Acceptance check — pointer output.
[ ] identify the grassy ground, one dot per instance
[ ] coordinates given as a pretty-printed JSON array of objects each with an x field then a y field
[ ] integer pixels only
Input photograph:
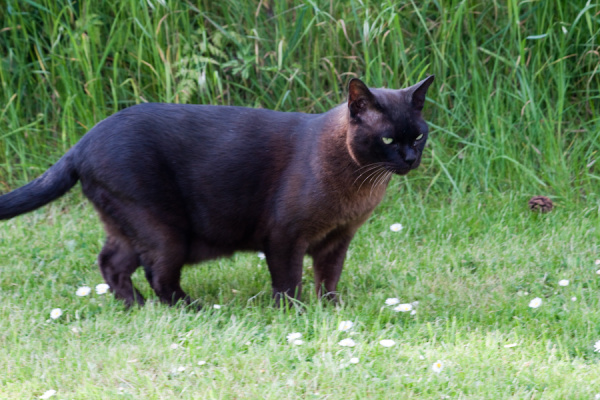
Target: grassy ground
[
  {"x": 513, "y": 113},
  {"x": 473, "y": 263}
]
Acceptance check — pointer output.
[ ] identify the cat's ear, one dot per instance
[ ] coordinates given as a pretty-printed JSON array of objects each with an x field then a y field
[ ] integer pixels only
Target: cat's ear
[
  {"x": 359, "y": 97},
  {"x": 417, "y": 92}
]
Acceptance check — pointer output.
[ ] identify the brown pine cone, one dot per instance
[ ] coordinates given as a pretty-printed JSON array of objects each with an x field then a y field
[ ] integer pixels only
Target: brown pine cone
[{"x": 540, "y": 203}]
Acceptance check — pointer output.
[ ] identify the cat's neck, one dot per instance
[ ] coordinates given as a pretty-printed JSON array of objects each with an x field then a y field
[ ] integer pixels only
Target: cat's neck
[{"x": 339, "y": 167}]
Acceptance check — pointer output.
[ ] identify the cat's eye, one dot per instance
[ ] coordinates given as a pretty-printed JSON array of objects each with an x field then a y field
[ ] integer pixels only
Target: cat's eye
[
  {"x": 387, "y": 140},
  {"x": 419, "y": 137}
]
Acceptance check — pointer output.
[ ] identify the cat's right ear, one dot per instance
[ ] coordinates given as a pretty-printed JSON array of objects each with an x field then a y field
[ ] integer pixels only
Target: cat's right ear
[{"x": 359, "y": 97}]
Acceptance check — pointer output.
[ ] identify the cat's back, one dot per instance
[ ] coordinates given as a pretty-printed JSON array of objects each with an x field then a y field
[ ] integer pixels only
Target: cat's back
[{"x": 181, "y": 127}]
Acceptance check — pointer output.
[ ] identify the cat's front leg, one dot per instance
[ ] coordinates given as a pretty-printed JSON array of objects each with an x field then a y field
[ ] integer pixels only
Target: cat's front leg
[
  {"x": 328, "y": 262},
  {"x": 284, "y": 258}
]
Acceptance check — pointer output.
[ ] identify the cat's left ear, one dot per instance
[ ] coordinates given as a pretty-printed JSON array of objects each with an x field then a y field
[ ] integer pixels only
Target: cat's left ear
[
  {"x": 417, "y": 92},
  {"x": 359, "y": 97}
]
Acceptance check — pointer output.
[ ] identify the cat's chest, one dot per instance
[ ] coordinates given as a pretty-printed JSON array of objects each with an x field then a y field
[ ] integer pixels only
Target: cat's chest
[{"x": 337, "y": 210}]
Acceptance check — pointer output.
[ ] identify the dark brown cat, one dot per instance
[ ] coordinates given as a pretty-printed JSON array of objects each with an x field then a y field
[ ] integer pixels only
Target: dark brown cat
[{"x": 177, "y": 184}]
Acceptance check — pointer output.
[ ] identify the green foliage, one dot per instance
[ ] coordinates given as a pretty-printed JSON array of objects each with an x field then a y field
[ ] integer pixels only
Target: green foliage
[{"x": 514, "y": 105}]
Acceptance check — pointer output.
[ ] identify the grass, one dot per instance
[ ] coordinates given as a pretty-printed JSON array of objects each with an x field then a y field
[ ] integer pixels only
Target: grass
[
  {"x": 513, "y": 113},
  {"x": 515, "y": 102},
  {"x": 472, "y": 262}
]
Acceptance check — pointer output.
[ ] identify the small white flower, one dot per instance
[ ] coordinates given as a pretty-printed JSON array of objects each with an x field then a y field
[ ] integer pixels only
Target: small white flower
[
  {"x": 406, "y": 307},
  {"x": 293, "y": 336},
  {"x": 563, "y": 282},
  {"x": 564, "y": 30},
  {"x": 598, "y": 272},
  {"x": 437, "y": 366},
  {"x": 102, "y": 288},
  {"x": 55, "y": 313},
  {"x": 201, "y": 362},
  {"x": 392, "y": 301},
  {"x": 345, "y": 325},
  {"x": 387, "y": 342},
  {"x": 354, "y": 360},
  {"x": 508, "y": 346},
  {"x": 597, "y": 346},
  {"x": 413, "y": 312},
  {"x": 347, "y": 343},
  {"x": 298, "y": 342},
  {"x": 597, "y": 396},
  {"x": 217, "y": 306},
  {"x": 174, "y": 346},
  {"x": 535, "y": 303},
  {"x": 396, "y": 227},
  {"x": 421, "y": 357},
  {"x": 48, "y": 394},
  {"x": 573, "y": 298},
  {"x": 261, "y": 255},
  {"x": 180, "y": 369},
  {"x": 83, "y": 291},
  {"x": 597, "y": 262}
]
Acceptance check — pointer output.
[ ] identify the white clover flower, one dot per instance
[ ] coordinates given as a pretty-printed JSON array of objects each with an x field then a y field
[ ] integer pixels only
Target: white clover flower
[
  {"x": 347, "y": 343},
  {"x": 180, "y": 369},
  {"x": 597, "y": 396},
  {"x": 597, "y": 262},
  {"x": 396, "y": 227},
  {"x": 217, "y": 306},
  {"x": 83, "y": 291},
  {"x": 201, "y": 362},
  {"x": 102, "y": 288},
  {"x": 387, "y": 342},
  {"x": 413, "y": 312},
  {"x": 47, "y": 394},
  {"x": 392, "y": 301},
  {"x": 261, "y": 255},
  {"x": 406, "y": 307},
  {"x": 573, "y": 298},
  {"x": 298, "y": 342},
  {"x": 535, "y": 303},
  {"x": 598, "y": 272},
  {"x": 563, "y": 282},
  {"x": 293, "y": 336},
  {"x": 437, "y": 366},
  {"x": 354, "y": 360},
  {"x": 174, "y": 346},
  {"x": 345, "y": 325},
  {"x": 597, "y": 346},
  {"x": 55, "y": 313}
]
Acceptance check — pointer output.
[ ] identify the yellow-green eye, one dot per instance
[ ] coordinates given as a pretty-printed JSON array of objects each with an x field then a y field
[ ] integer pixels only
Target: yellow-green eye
[
  {"x": 387, "y": 140},
  {"x": 419, "y": 137}
]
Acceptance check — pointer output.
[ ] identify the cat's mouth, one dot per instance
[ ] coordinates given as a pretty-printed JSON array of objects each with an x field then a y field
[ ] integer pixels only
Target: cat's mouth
[{"x": 400, "y": 170}]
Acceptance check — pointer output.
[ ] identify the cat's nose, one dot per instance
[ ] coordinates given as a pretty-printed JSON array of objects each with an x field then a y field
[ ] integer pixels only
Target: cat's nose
[{"x": 410, "y": 156}]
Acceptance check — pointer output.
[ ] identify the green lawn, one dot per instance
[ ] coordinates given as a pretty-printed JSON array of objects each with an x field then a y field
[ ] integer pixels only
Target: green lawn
[{"x": 473, "y": 264}]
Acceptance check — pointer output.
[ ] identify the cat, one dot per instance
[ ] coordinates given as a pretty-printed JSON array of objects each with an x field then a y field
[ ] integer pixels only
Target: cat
[{"x": 178, "y": 184}]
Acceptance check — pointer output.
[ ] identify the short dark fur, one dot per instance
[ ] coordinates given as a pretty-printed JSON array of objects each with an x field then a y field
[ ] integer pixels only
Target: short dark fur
[{"x": 178, "y": 184}]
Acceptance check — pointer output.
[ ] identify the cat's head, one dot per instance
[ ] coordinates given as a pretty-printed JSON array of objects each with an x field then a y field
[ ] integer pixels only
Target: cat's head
[{"x": 385, "y": 126}]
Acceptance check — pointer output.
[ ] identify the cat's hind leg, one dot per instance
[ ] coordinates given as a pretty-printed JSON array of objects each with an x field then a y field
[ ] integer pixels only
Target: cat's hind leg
[
  {"x": 163, "y": 261},
  {"x": 118, "y": 261}
]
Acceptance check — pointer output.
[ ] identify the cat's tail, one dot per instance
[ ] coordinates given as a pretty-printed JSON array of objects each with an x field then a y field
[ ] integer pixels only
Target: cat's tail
[{"x": 52, "y": 184}]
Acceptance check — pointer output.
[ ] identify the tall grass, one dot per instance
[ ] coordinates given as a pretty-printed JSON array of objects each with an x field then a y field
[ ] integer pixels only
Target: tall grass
[{"x": 515, "y": 103}]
